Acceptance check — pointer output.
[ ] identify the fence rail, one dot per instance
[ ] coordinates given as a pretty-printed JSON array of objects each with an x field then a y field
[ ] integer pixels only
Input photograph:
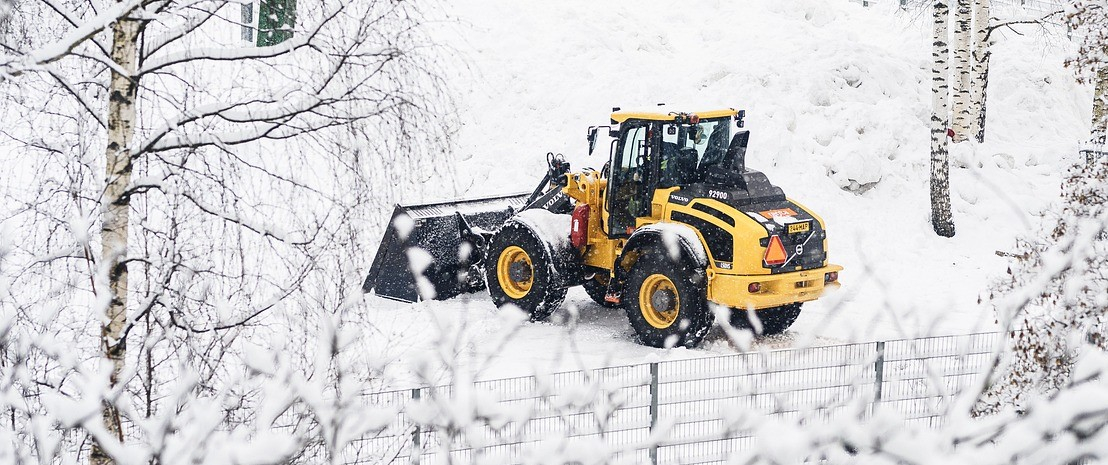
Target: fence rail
[{"x": 681, "y": 411}]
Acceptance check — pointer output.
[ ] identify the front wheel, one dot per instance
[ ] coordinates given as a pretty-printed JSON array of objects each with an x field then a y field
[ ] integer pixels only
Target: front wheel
[
  {"x": 773, "y": 320},
  {"x": 666, "y": 301},
  {"x": 519, "y": 271}
]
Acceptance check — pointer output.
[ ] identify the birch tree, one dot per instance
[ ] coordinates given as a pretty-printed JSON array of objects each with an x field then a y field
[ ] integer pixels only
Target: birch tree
[
  {"x": 941, "y": 217},
  {"x": 962, "y": 114},
  {"x": 1091, "y": 65},
  {"x": 983, "y": 27},
  {"x": 981, "y": 56},
  {"x": 176, "y": 191},
  {"x": 1099, "y": 123},
  {"x": 1089, "y": 19},
  {"x": 115, "y": 224}
]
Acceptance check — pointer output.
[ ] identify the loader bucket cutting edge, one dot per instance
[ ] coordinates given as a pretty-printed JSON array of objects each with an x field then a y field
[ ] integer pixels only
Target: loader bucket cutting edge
[{"x": 437, "y": 230}]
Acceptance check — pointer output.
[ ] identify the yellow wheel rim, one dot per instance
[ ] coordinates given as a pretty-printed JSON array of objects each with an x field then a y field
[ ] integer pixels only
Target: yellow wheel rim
[
  {"x": 658, "y": 301},
  {"x": 515, "y": 272}
]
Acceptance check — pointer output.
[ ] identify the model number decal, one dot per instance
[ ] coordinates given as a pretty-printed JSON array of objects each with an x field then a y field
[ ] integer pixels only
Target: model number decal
[{"x": 717, "y": 194}]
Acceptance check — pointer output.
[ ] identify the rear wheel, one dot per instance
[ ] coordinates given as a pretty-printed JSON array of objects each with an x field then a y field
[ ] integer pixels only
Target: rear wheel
[
  {"x": 666, "y": 301},
  {"x": 597, "y": 288},
  {"x": 774, "y": 320},
  {"x": 518, "y": 271}
]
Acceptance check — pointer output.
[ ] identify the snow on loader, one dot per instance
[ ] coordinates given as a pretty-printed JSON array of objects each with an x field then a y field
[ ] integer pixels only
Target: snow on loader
[{"x": 674, "y": 221}]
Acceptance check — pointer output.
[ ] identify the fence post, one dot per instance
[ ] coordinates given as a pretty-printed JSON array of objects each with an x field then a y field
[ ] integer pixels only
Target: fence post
[
  {"x": 417, "y": 448},
  {"x": 653, "y": 410},
  {"x": 879, "y": 372}
]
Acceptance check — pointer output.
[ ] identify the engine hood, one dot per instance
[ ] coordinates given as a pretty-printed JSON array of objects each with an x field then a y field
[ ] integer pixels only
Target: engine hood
[{"x": 750, "y": 187}]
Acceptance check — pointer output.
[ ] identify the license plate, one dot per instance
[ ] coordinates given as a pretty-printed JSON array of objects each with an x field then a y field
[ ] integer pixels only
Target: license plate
[{"x": 797, "y": 228}]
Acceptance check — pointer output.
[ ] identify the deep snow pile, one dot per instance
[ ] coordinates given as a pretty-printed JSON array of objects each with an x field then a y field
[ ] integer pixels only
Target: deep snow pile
[{"x": 837, "y": 99}]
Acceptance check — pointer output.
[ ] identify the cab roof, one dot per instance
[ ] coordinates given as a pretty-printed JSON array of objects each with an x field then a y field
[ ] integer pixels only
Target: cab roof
[{"x": 621, "y": 116}]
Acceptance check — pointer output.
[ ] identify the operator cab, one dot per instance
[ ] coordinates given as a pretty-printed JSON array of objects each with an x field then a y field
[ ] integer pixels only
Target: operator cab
[
  {"x": 698, "y": 154},
  {"x": 690, "y": 149}
]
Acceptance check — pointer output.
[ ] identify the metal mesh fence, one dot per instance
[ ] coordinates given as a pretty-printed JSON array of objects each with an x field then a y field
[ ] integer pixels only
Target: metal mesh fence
[
  {"x": 709, "y": 399},
  {"x": 700, "y": 410},
  {"x": 921, "y": 376}
]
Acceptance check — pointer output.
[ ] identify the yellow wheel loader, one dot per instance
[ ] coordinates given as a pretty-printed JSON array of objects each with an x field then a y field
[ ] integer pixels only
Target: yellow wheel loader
[{"x": 673, "y": 223}]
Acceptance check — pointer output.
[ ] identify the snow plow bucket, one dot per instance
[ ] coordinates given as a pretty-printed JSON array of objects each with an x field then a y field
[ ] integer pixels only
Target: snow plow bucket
[{"x": 443, "y": 242}]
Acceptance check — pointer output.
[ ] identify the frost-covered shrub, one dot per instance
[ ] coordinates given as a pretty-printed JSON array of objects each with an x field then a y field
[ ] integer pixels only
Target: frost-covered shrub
[{"x": 1056, "y": 292}]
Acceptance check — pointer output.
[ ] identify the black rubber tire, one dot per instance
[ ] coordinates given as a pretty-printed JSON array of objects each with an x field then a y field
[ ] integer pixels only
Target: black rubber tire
[
  {"x": 694, "y": 319},
  {"x": 543, "y": 297},
  {"x": 775, "y": 320},
  {"x": 597, "y": 290}
]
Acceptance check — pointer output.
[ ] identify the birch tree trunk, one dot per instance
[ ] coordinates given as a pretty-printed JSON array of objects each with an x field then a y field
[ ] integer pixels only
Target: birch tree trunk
[
  {"x": 1100, "y": 106},
  {"x": 981, "y": 55},
  {"x": 221, "y": 235},
  {"x": 941, "y": 219},
  {"x": 962, "y": 114},
  {"x": 116, "y": 215}
]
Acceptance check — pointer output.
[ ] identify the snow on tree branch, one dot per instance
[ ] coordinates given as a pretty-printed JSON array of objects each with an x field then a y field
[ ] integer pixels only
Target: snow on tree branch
[
  {"x": 207, "y": 191},
  {"x": 86, "y": 31}
]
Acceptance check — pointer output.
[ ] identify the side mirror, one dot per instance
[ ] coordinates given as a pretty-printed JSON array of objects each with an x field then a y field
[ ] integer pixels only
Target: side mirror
[
  {"x": 739, "y": 118},
  {"x": 591, "y": 135}
]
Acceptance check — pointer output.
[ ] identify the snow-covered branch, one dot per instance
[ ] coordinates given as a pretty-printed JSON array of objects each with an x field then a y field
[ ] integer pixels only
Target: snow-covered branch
[
  {"x": 79, "y": 35},
  {"x": 190, "y": 54}
]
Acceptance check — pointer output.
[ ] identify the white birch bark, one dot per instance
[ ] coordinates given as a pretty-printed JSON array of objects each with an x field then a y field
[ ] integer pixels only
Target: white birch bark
[
  {"x": 116, "y": 214},
  {"x": 187, "y": 257},
  {"x": 941, "y": 218},
  {"x": 961, "y": 111},
  {"x": 1100, "y": 106},
  {"x": 981, "y": 55}
]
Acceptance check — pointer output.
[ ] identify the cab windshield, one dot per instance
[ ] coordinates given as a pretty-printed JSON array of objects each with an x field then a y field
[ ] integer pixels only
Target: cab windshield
[{"x": 688, "y": 150}]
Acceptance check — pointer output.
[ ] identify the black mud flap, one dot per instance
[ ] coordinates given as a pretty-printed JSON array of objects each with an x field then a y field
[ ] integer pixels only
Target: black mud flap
[{"x": 443, "y": 231}]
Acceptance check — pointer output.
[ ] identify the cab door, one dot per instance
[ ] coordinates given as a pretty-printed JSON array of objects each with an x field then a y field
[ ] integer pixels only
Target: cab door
[{"x": 631, "y": 178}]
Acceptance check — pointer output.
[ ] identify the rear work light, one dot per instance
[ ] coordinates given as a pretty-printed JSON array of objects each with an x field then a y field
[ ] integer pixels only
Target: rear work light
[
  {"x": 775, "y": 252},
  {"x": 831, "y": 277}
]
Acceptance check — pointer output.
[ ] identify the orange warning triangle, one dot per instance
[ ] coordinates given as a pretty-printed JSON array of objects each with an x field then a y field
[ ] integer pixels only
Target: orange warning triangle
[{"x": 775, "y": 252}]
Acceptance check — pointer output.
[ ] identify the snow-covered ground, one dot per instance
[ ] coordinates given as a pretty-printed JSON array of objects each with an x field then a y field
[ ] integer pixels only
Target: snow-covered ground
[{"x": 837, "y": 98}]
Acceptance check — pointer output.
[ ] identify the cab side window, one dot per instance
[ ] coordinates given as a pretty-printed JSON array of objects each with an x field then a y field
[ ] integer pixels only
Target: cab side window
[
  {"x": 633, "y": 147},
  {"x": 628, "y": 179}
]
